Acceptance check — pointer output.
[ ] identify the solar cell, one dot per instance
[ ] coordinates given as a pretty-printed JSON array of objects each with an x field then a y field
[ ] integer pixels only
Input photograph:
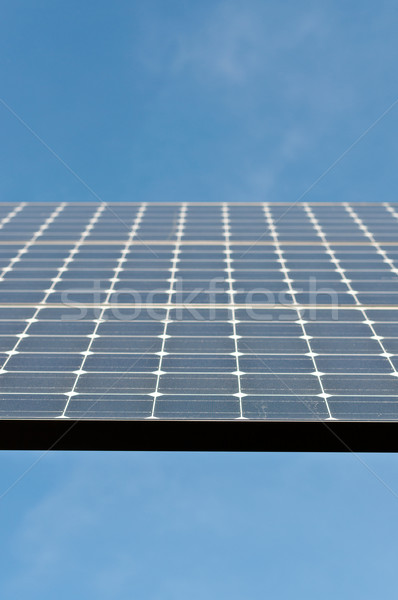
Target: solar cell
[{"x": 223, "y": 326}]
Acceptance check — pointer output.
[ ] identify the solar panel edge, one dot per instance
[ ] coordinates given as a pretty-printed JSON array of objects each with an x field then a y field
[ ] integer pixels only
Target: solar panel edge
[
  {"x": 218, "y": 203},
  {"x": 199, "y": 436}
]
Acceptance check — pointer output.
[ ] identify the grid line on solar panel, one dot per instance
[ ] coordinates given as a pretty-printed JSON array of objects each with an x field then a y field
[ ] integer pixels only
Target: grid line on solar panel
[
  {"x": 171, "y": 367},
  {"x": 204, "y": 243},
  {"x": 229, "y": 271},
  {"x": 46, "y": 293},
  {"x": 302, "y": 322},
  {"x": 164, "y": 335},
  {"x": 353, "y": 292},
  {"x": 72, "y": 392}
]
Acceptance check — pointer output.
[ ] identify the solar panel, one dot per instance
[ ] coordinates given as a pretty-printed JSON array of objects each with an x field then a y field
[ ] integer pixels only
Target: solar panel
[{"x": 199, "y": 326}]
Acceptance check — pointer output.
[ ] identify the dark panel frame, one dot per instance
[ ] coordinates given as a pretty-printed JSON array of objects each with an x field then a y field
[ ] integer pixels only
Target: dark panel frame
[{"x": 228, "y": 436}]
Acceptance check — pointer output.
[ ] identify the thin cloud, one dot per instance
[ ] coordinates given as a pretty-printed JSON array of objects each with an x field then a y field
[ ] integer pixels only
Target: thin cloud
[{"x": 236, "y": 43}]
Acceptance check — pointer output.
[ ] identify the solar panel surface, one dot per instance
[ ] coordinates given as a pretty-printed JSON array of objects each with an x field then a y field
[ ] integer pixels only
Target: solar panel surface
[{"x": 173, "y": 313}]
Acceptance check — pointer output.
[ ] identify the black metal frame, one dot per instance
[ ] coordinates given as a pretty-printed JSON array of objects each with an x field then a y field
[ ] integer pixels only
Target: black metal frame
[{"x": 227, "y": 436}]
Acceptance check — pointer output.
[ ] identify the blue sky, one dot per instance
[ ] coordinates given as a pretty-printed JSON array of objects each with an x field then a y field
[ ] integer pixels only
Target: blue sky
[
  {"x": 176, "y": 100},
  {"x": 175, "y": 526}
]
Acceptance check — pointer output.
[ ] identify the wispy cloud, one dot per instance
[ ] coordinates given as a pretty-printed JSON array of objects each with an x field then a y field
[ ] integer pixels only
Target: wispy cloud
[
  {"x": 226, "y": 45},
  {"x": 259, "y": 62},
  {"x": 55, "y": 536},
  {"x": 276, "y": 78},
  {"x": 236, "y": 42},
  {"x": 262, "y": 178}
]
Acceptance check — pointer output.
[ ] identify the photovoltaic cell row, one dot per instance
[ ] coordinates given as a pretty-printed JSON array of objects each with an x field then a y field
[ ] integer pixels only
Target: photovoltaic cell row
[{"x": 159, "y": 222}]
